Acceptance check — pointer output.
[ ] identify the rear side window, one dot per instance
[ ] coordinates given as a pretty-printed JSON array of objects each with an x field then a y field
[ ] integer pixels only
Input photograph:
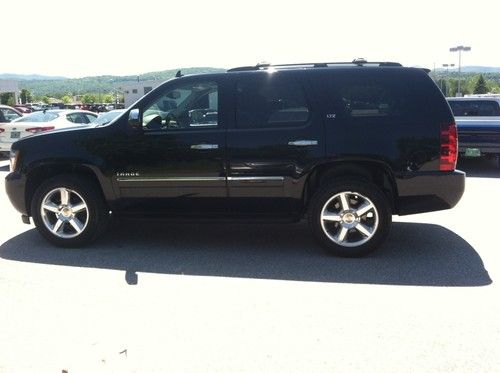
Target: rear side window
[
  {"x": 371, "y": 96},
  {"x": 270, "y": 102},
  {"x": 365, "y": 96},
  {"x": 474, "y": 108}
]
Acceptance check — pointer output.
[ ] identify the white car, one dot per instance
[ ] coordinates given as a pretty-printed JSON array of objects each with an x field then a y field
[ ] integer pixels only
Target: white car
[{"x": 40, "y": 121}]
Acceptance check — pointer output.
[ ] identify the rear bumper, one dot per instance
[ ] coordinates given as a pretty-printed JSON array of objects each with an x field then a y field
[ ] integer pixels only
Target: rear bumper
[
  {"x": 5, "y": 146},
  {"x": 429, "y": 191},
  {"x": 15, "y": 186}
]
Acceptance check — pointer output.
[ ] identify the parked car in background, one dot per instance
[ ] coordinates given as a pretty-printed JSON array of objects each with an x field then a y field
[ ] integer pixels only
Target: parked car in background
[
  {"x": 8, "y": 114},
  {"x": 41, "y": 121},
  {"x": 478, "y": 125},
  {"x": 23, "y": 109}
]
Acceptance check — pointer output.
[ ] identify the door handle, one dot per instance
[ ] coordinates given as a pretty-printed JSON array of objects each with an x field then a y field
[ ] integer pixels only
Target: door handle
[
  {"x": 204, "y": 146},
  {"x": 303, "y": 142}
]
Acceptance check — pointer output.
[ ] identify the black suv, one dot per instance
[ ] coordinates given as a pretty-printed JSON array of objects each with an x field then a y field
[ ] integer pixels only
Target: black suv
[{"x": 344, "y": 144}]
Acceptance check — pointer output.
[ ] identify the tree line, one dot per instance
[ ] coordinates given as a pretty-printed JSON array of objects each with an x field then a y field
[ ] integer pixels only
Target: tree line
[{"x": 469, "y": 83}]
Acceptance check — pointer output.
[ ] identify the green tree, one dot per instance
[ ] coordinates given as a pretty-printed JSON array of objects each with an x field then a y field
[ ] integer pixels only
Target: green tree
[
  {"x": 89, "y": 98},
  {"x": 7, "y": 99},
  {"x": 480, "y": 86},
  {"x": 453, "y": 87},
  {"x": 26, "y": 96},
  {"x": 67, "y": 99},
  {"x": 108, "y": 98}
]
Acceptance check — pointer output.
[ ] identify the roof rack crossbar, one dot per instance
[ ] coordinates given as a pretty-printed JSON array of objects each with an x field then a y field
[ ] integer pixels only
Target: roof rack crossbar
[{"x": 357, "y": 62}]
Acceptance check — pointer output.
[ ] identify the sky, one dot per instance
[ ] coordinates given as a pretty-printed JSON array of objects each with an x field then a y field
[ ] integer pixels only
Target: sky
[{"x": 100, "y": 37}]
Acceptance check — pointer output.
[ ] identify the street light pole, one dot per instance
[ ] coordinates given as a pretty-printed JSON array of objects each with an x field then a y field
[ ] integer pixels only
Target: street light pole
[{"x": 460, "y": 49}]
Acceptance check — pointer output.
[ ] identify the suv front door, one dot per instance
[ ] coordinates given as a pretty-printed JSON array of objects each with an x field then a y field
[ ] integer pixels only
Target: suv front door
[{"x": 175, "y": 164}]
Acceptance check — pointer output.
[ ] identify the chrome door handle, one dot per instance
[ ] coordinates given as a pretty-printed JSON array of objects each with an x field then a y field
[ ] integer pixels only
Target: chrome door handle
[
  {"x": 303, "y": 142},
  {"x": 204, "y": 146}
]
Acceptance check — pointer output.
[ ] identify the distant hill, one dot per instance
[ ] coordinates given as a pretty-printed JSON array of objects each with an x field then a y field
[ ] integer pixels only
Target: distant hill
[
  {"x": 104, "y": 83},
  {"x": 30, "y": 77},
  {"x": 474, "y": 69}
]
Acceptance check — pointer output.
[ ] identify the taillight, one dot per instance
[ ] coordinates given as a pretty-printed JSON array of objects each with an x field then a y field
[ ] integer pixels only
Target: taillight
[
  {"x": 449, "y": 147},
  {"x": 39, "y": 129}
]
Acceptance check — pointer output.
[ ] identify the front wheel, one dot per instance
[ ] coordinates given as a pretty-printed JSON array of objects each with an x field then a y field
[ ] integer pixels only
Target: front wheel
[
  {"x": 350, "y": 218},
  {"x": 69, "y": 211}
]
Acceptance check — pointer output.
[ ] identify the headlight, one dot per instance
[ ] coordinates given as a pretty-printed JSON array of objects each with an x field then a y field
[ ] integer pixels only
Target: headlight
[{"x": 14, "y": 156}]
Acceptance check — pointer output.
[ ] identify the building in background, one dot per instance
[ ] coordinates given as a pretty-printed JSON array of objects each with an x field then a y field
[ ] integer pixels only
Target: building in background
[
  {"x": 132, "y": 91},
  {"x": 10, "y": 86}
]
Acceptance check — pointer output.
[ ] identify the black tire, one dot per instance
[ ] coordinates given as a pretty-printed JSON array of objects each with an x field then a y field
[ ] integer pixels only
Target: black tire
[
  {"x": 96, "y": 213},
  {"x": 359, "y": 191}
]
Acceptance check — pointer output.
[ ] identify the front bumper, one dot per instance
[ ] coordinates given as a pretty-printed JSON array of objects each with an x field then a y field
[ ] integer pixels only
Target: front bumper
[
  {"x": 429, "y": 191},
  {"x": 15, "y": 186}
]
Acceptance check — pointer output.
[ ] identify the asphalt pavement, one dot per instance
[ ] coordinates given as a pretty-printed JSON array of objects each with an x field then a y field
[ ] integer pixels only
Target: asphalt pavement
[{"x": 164, "y": 297}]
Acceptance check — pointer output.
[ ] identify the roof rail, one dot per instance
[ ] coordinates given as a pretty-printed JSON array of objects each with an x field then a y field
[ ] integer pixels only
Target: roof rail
[{"x": 356, "y": 62}]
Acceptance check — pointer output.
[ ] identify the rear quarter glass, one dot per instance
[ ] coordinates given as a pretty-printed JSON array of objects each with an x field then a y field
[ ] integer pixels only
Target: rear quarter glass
[{"x": 389, "y": 92}]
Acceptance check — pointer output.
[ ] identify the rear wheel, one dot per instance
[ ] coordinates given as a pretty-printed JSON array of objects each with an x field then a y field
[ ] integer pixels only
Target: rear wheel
[
  {"x": 350, "y": 218},
  {"x": 69, "y": 211}
]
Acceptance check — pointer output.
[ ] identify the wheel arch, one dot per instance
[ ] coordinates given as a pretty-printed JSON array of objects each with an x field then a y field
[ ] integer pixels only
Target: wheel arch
[
  {"x": 376, "y": 172},
  {"x": 44, "y": 171}
]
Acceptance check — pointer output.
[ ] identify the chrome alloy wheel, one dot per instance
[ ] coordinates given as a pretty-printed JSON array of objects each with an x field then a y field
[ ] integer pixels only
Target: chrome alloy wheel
[
  {"x": 349, "y": 219},
  {"x": 64, "y": 212}
]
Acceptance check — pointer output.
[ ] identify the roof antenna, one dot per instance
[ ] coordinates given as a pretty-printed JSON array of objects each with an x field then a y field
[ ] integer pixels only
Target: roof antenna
[{"x": 179, "y": 74}]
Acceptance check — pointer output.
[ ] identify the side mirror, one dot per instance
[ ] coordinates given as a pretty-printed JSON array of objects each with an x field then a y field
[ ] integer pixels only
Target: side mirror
[{"x": 134, "y": 119}]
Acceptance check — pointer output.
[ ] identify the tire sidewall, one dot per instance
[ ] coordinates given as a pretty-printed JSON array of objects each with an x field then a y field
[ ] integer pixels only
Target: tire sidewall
[
  {"x": 96, "y": 211},
  {"x": 367, "y": 189}
]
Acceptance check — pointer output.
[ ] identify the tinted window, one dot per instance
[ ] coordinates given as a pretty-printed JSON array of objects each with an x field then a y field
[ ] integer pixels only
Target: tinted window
[
  {"x": 375, "y": 96},
  {"x": 190, "y": 105},
  {"x": 470, "y": 108},
  {"x": 270, "y": 102}
]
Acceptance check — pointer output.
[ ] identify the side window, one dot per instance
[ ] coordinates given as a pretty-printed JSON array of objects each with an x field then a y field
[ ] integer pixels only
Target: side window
[
  {"x": 270, "y": 102},
  {"x": 190, "y": 105},
  {"x": 368, "y": 101},
  {"x": 71, "y": 117},
  {"x": 91, "y": 117},
  {"x": 9, "y": 115},
  {"x": 375, "y": 97},
  {"x": 77, "y": 118}
]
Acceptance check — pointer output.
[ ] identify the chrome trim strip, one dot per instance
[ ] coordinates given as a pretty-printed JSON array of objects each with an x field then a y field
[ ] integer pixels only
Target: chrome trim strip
[
  {"x": 303, "y": 142},
  {"x": 255, "y": 178},
  {"x": 174, "y": 179},
  {"x": 209, "y": 178}
]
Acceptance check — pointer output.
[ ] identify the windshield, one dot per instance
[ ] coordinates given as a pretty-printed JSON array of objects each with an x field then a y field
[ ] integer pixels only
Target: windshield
[
  {"x": 106, "y": 118},
  {"x": 39, "y": 116}
]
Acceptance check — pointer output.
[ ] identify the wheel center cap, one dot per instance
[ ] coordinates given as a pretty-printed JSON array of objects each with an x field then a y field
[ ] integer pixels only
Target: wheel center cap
[
  {"x": 349, "y": 218},
  {"x": 66, "y": 212}
]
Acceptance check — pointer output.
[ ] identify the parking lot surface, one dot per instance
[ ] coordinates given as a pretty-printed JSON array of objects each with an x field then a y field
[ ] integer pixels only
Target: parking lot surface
[{"x": 163, "y": 297}]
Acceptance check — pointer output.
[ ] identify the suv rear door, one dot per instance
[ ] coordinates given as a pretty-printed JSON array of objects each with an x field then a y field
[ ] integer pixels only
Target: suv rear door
[{"x": 276, "y": 137}]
